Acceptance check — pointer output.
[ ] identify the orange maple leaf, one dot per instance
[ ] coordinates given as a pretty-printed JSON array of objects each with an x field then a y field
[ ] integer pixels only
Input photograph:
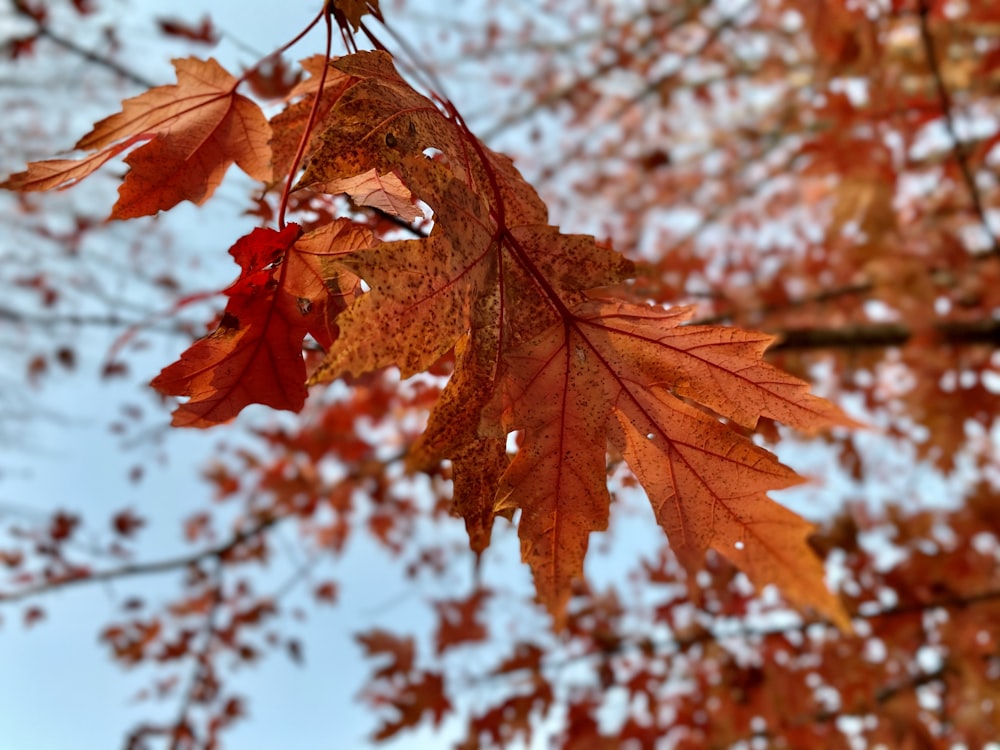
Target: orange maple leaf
[
  {"x": 290, "y": 286},
  {"x": 288, "y": 127},
  {"x": 537, "y": 352},
  {"x": 191, "y": 131},
  {"x": 619, "y": 372}
]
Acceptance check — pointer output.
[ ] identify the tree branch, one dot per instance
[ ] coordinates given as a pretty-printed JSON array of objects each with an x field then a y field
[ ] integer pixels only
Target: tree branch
[
  {"x": 217, "y": 553},
  {"x": 958, "y": 146},
  {"x": 680, "y": 643},
  {"x": 112, "y": 320},
  {"x": 877, "y": 335},
  {"x": 44, "y": 31},
  {"x": 827, "y": 295},
  {"x": 183, "y": 731}
]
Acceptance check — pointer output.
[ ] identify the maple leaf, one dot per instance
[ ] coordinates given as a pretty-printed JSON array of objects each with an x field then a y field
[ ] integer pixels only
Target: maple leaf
[
  {"x": 401, "y": 652},
  {"x": 353, "y": 10},
  {"x": 204, "y": 32},
  {"x": 378, "y": 121},
  {"x": 409, "y": 692},
  {"x": 191, "y": 133},
  {"x": 619, "y": 372},
  {"x": 127, "y": 523},
  {"x": 290, "y": 286},
  {"x": 459, "y": 621},
  {"x": 288, "y": 127},
  {"x": 536, "y": 352}
]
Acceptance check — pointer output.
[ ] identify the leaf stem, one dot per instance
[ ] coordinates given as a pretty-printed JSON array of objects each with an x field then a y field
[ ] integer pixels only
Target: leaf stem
[{"x": 307, "y": 132}]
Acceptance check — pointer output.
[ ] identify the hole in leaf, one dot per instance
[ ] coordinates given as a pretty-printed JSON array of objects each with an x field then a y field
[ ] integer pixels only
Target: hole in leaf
[
  {"x": 739, "y": 545},
  {"x": 514, "y": 440}
]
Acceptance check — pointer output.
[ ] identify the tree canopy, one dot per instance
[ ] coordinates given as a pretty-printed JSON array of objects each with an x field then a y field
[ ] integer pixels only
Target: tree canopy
[{"x": 539, "y": 268}]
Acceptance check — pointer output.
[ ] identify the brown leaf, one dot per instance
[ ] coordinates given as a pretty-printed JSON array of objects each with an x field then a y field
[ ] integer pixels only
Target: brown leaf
[
  {"x": 615, "y": 372},
  {"x": 536, "y": 352}
]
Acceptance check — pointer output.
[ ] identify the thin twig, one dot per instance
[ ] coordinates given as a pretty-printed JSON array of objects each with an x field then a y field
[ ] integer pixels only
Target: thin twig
[
  {"x": 43, "y": 30},
  {"x": 112, "y": 320}
]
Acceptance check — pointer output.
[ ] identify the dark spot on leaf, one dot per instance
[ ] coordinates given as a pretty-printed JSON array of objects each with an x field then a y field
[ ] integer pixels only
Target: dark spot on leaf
[
  {"x": 390, "y": 140},
  {"x": 229, "y": 321}
]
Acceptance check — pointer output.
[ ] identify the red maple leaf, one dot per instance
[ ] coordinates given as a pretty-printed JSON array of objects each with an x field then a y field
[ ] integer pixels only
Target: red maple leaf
[{"x": 290, "y": 286}]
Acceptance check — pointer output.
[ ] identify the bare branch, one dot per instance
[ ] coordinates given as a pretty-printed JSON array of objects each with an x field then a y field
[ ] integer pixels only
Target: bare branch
[
  {"x": 202, "y": 663},
  {"x": 958, "y": 146},
  {"x": 44, "y": 31},
  {"x": 217, "y": 553}
]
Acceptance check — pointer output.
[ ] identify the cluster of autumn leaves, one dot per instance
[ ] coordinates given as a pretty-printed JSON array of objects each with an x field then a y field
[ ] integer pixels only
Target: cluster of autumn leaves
[{"x": 544, "y": 342}]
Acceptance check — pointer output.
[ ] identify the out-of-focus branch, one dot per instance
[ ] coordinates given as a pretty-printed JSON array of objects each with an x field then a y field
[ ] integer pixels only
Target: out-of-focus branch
[
  {"x": 218, "y": 553},
  {"x": 887, "y": 334},
  {"x": 958, "y": 146},
  {"x": 98, "y": 321},
  {"x": 688, "y": 12},
  {"x": 44, "y": 31},
  {"x": 826, "y": 295},
  {"x": 182, "y": 732},
  {"x": 863, "y": 335},
  {"x": 681, "y": 642}
]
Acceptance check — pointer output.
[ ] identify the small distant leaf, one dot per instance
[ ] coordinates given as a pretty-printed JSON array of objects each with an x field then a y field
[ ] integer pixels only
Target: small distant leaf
[
  {"x": 33, "y": 616},
  {"x": 460, "y": 621},
  {"x": 401, "y": 652},
  {"x": 127, "y": 523},
  {"x": 63, "y": 525},
  {"x": 326, "y": 592},
  {"x": 204, "y": 32}
]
